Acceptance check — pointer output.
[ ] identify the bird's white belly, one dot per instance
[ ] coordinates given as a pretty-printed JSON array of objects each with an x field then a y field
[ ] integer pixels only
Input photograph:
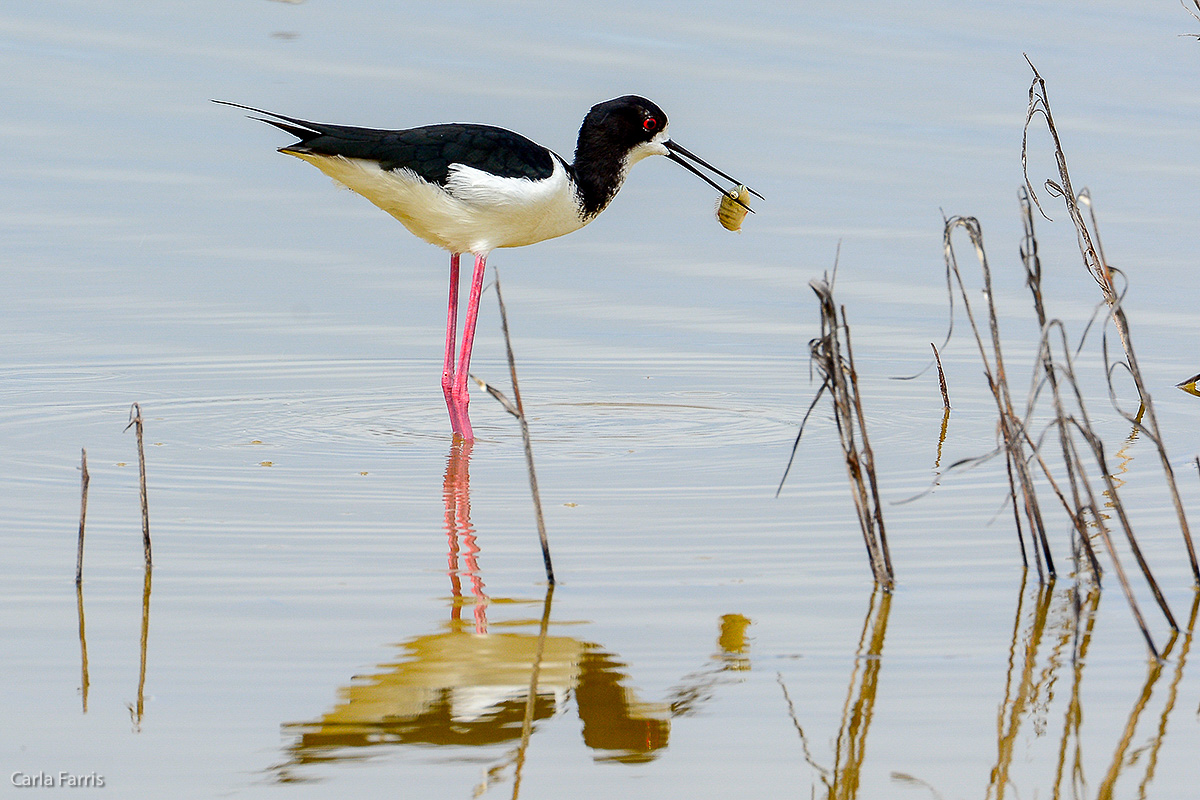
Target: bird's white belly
[{"x": 476, "y": 211}]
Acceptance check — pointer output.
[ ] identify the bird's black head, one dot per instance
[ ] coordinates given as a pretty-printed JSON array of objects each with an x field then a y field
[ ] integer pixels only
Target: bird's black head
[
  {"x": 621, "y": 125},
  {"x": 622, "y": 132},
  {"x": 614, "y": 136}
]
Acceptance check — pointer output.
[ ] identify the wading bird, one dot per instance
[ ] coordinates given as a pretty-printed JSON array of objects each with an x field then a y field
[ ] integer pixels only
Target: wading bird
[{"x": 474, "y": 188}]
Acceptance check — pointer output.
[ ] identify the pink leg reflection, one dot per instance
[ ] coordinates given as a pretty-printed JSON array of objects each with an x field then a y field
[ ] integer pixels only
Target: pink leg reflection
[{"x": 456, "y": 492}]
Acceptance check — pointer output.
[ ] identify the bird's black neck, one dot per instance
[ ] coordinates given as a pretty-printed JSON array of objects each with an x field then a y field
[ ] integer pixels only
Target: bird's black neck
[{"x": 599, "y": 170}]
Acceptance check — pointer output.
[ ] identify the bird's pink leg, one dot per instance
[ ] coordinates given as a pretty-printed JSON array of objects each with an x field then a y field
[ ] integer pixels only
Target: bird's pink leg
[
  {"x": 451, "y": 336},
  {"x": 459, "y": 393}
]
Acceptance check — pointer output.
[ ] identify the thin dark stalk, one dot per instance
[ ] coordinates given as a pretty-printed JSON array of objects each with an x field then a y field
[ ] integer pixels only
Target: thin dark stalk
[
  {"x": 854, "y": 463},
  {"x": 941, "y": 377},
  {"x": 498, "y": 395},
  {"x": 799, "y": 433},
  {"x": 1193, "y": 13},
  {"x": 1062, "y": 421},
  {"x": 83, "y": 481},
  {"x": 868, "y": 454},
  {"x": 1075, "y": 514},
  {"x": 533, "y": 485},
  {"x": 135, "y": 420},
  {"x": 1012, "y": 493}
]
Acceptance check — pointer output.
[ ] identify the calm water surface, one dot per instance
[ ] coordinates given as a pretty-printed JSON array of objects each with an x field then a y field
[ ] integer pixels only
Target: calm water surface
[{"x": 343, "y": 604}]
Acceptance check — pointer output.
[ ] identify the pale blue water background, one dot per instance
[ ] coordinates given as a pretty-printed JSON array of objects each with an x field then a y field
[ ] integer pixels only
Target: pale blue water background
[{"x": 156, "y": 249}]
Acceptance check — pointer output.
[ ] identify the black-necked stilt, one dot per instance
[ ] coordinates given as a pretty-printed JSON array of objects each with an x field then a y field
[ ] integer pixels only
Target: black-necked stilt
[{"x": 473, "y": 188}]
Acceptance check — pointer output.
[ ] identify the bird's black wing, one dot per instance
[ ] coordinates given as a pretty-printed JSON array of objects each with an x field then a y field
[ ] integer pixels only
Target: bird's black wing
[{"x": 427, "y": 151}]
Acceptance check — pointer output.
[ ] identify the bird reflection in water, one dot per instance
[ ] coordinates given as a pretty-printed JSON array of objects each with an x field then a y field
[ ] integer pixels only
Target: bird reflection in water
[{"x": 465, "y": 686}]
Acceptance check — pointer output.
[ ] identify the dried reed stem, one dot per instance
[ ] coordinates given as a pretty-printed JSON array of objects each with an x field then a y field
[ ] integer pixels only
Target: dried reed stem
[
  {"x": 1011, "y": 427},
  {"x": 941, "y": 377},
  {"x": 520, "y": 413},
  {"x": 1097, "y": 266},
  {"x": 135, "y": 420},
  {"x": 1079, "y": 423},
  {"x": 1033, "y": 279},
  {"x": 841, "y": 379},
  {"x": 83, "y": 658},
  {"x": 83, "y": 494}
]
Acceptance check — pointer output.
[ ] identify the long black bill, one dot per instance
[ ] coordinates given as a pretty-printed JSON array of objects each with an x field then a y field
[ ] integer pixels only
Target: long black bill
[{"x": 677, "y": 154}]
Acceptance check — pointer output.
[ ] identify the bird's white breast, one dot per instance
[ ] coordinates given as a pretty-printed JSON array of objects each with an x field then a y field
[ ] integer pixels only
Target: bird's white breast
[{"x": 475, "y": 212}]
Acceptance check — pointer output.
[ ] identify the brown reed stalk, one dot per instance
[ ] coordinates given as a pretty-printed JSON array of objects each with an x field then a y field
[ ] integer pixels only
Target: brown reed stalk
[
  {"x": 83, "y": 494},
  {"x": 941, "y": 377},
  {"x": 1082, "y": 424},
  {"x": 518, "y": 410},
  {"x": 1059, "y": 376},
  {"x": 1097, "y": 266},
  {"x": 1012, "y": 494},
  {"x": 835, "y": 363},
  {"x": 83, "y": 657},
  {"x": 1021, "y": 453},
  {"x": 135, "y": 420},
  {"x": 1011, "y": 427},
  {"x": 1033, "y": 279}
]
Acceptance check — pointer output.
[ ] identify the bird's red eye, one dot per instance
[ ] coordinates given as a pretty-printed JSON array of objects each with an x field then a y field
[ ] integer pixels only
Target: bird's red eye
[{"x": 650, "y": 124}]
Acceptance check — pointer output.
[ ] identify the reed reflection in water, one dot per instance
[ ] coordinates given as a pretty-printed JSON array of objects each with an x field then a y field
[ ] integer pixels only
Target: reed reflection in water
[
  {"x": 1048, "y": 653},
  {"x": 1049, "y": 647},
  {"x": 465, "y": 686},
  {"x": 842, "y": 780}
]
